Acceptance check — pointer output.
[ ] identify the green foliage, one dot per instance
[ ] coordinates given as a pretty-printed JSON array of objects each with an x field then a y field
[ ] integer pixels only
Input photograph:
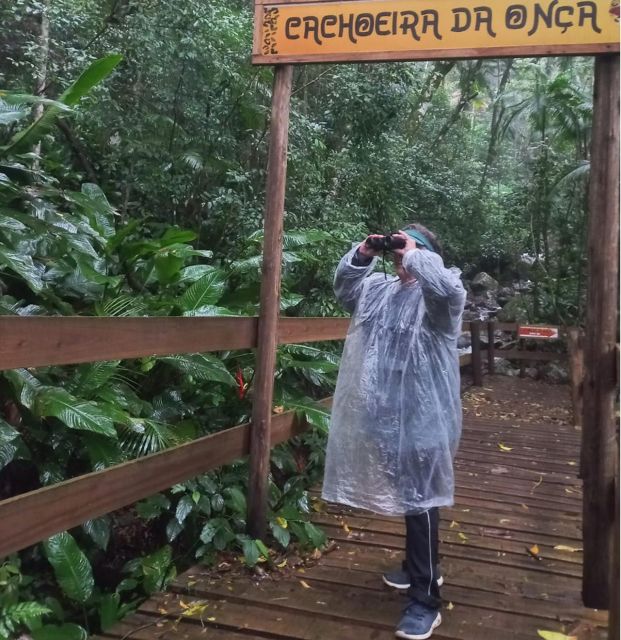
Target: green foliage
[{"x": 71, "y": 567}]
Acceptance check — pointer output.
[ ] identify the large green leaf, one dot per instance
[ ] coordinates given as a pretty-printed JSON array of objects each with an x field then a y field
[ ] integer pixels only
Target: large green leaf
[
  {"x": 74, "y": 412},
  {"x": 8, "y": 443},
  {"x": 93, "y": 75},
  {"x": 206, "y": 291},
  {"x": 102, "y": 451},
  {"x": 71, "y": 567},
  {"x": 315, "y": 414},
  {"x": 66, "y": 631},
  {"x": 23, "y": 266},
  {"x": 99, "y": 531},
  {"x": 158, "y": 569},
  {"x": 201, "y": 367}
]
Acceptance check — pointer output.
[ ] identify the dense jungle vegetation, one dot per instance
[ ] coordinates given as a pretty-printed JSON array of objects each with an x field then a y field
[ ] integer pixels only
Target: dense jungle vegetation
[{"x": 133, "y": 145}]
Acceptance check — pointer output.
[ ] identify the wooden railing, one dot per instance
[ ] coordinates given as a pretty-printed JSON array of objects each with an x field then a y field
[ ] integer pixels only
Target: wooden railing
[{"x": 42, "y": 341}]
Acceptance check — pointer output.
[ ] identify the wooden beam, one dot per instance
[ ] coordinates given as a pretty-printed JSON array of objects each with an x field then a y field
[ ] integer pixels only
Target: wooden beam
[
  {"x": 602, "y": 324},
  {"x": 41, "y": 341},
  {"x": 294, "y": 330},
  {"x": 34, "y": 516},
  {"x": 491, "y": 365},
  {"x": 477, "y": 364},
  {"x": 575, "y": 344},
  {"x": 542, "y": 356},
  {"x": 270, "y": 302},
  {"x": 600, "y": 354}
]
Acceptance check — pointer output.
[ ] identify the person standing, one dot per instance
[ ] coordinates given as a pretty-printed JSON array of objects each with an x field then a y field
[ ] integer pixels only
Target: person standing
[{"x": 396, "y": 416}]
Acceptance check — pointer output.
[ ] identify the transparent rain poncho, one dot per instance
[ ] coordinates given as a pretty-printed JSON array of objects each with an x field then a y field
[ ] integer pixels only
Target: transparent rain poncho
[{"x": 396, "y": 416}]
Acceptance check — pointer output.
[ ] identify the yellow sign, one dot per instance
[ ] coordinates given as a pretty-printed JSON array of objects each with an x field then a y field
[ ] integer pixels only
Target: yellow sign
[{"x": 425, "y": 29}]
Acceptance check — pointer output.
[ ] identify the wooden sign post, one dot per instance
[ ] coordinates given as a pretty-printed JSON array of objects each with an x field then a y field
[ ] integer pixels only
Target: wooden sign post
[
  {"x": 599, "y": 446},
  {"x": 306, "y": 31},
  {"x": 270, "y": 303}
]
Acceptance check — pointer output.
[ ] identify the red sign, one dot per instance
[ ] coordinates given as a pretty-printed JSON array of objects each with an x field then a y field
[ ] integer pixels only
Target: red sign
[{"x": 541, "y": 333}]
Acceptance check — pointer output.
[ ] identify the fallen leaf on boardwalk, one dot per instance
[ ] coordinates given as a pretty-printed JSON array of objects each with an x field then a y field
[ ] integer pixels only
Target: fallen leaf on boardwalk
[
  {"x": 450, "y": 606},
  {"x": 503, "y": 447},
  {"x": 279, "y": 409},
  {"x": 211, "y": 619},
  {"x": 554, "y": 635},
  {"x": 282, "y": 564},
  {"x": 182, "y": 604},
  {"x": 524, "y": 506},
  {"x": 305, "y": 584},
  {"x": 191, "y": 583},
  {"x": 572, "y": 463},
  {"x": 564, "y": 547},
  {"x": 346, "y": 529},
  {"x": 504, "y": 520},
  {"x": 319, "y": 505},
  {"x": 194, "y": 609},
  {"x": 537, "y": 483},
  {"x": 453, "y": 524},
  {"x": 462, "y": 536},
  {"x": 533, "y": 552},
  {"x": 162, "y": 611}
]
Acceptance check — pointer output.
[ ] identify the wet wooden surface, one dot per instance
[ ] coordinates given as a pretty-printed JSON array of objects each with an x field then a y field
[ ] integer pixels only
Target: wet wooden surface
[{"x": 510, "y": 548}]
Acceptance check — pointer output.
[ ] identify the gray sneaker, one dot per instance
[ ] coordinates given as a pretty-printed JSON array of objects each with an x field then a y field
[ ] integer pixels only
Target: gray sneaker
[
  {"x": 418, "y": 622},
  {"x": 400, "y": 579}
]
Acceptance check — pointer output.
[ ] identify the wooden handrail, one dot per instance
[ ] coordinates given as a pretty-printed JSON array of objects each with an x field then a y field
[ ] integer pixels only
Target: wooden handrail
[
  {"x": 58, "y": 340},
  {"x": 36, "y": 515}
]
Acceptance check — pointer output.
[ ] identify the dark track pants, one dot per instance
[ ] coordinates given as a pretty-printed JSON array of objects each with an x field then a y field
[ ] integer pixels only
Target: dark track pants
[{"x": 421, "y": 557}]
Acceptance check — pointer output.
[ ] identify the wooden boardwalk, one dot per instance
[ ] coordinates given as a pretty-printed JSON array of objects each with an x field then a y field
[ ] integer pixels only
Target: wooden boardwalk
[{"x": 510, "y": 548}]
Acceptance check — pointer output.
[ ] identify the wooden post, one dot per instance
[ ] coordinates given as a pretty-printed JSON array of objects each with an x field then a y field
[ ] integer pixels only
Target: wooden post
[
  {"x": 575, "y": 343},
  {"x": 477, "y": 365},
  {"x": 613, "y": 620},
  {"x": 490, "y": 347},
  {"x": 270, "y": 303},
  {"x": 598, "y": 433}
]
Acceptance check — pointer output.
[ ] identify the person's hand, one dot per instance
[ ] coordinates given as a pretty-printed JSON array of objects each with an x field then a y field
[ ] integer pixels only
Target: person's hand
[
  {"x": 410, "y": 244},
  {"x": 367, "y": 251}
]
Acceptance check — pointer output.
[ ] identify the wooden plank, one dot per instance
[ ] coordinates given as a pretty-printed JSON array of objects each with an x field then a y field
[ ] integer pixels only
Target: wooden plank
[
  {"x": 434, "y": 54},
  {"x": 142, "y": 626},
  {"x": 495, "y": 598},
  {"x": 517, "y": 354},
  {"x": 295, "y": 330},
  {"x": 266, "y": 619},
  {"x": 379, "y": 610},
  {"x": 41, "y": 341},
  {"x": 491, "y": 329},
  {"x": 500, "y": 537},
  {"x": 477, "y": 365},
  {"x": 34, "y": 516},
  {"x": 602, "y": 325},
  {"x": 270, "y": 303},
  {"x": 57, "y": 340},
  {"x": 501, "y": 553}
]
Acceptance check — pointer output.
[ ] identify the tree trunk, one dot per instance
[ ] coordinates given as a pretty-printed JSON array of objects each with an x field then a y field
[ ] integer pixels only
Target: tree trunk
[
  {"x": 431, "y": 84},
  {"x": 497, "y": 114},
  {"x": 41, "y": 78}
]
